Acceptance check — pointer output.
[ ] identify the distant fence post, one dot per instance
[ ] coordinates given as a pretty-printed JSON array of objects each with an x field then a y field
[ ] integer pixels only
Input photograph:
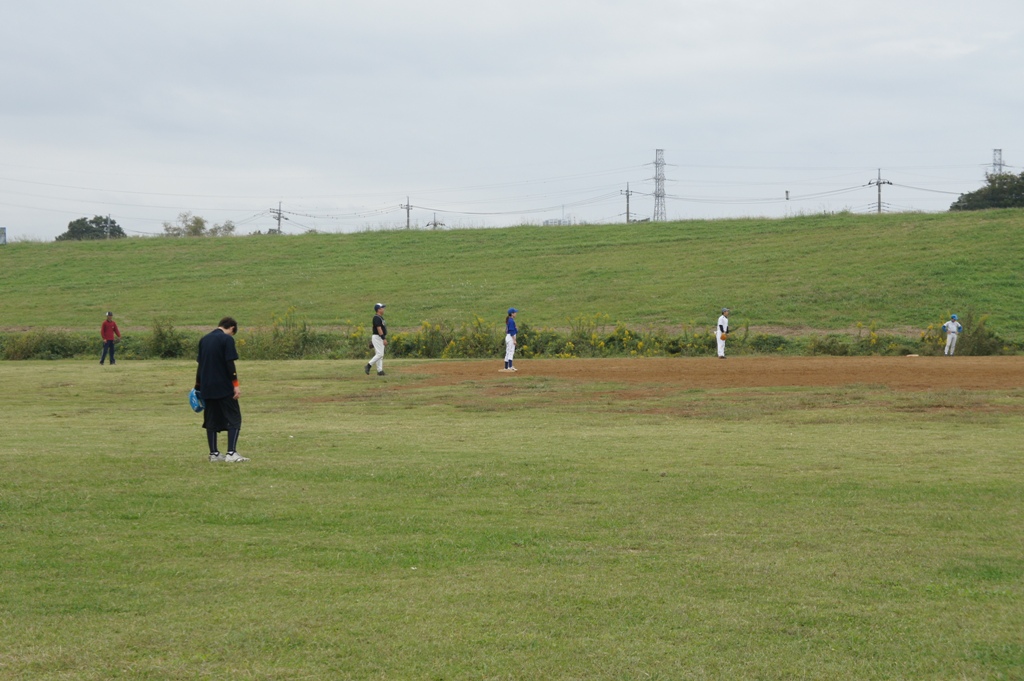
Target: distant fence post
[{"x": 3, "y": 236}]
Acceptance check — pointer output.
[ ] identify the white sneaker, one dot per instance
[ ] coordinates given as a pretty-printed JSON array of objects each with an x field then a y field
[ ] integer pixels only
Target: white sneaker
[
  {"x": 513, "y": 369},
  {"x": 216, "y": 456},
  {"x": 235, "y": 457}
]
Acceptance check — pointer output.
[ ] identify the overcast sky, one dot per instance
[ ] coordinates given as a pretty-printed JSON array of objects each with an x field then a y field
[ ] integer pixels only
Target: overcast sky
[{"x": 497, "y": 113}]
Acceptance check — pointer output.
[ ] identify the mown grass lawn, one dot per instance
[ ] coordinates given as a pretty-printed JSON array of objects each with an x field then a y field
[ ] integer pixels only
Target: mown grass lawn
[
  {"x": 521, "y": 528},
  {"x": 821, "y": 272}
]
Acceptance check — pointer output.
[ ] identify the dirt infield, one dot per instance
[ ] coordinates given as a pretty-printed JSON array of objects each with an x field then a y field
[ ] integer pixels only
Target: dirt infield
[{"x": 897, "y": 373}]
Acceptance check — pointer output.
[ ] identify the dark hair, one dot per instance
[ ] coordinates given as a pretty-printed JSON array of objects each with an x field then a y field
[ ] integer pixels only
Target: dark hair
[{"x": 228, "y": 323}]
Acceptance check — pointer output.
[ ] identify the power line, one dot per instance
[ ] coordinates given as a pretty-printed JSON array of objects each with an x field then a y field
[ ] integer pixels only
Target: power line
[
  {"x": 113, "y": 203},
  {"x": 543, "y": 199},
  {"x": 124, "y": 191},
  {"x": 582, "y": 202},
  {"x": 922, "y": 189},
  {"x": 768, "y": 200}
]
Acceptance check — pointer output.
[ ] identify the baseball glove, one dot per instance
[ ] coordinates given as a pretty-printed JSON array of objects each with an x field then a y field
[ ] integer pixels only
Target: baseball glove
[
  {"x": 725, "y": 336},
  {"x": 195, "y": 400}
]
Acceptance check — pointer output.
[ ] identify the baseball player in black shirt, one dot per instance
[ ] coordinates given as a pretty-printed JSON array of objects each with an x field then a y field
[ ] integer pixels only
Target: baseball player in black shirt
[
  {"x": 217, "y": 380},
  {"x": 379, "y": 339}
]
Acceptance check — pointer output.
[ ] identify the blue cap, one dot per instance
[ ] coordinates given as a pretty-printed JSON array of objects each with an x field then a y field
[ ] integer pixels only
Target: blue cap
[
  {"x": 954, "y": 317},
  {"x": 512, "y": 310},
  {"x": 379, "y": 306}
]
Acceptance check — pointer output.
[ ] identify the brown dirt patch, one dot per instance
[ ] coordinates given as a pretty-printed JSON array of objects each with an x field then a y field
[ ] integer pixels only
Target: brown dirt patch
[{"x": 897, "y": 373}]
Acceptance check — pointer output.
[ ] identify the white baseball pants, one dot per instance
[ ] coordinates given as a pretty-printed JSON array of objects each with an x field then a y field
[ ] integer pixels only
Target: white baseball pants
[
  {"x": 510, "y": 347},
  {"x": 378, "y": 351},
  {"x": 721, "y": 345},
  {"x": 951, "y": 343}
]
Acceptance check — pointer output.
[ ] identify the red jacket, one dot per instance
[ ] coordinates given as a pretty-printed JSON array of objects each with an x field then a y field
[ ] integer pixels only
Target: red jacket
[{"x": 109, "y": 329}]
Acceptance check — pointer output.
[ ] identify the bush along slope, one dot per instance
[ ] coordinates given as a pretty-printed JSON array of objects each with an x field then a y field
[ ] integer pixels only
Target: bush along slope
[{"x": 593, "y": 336}]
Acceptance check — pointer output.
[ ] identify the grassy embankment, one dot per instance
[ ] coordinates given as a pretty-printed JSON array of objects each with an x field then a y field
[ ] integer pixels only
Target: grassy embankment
[
  {"x": 817, "y": 273},
  {"x": 516, "y": 528}
]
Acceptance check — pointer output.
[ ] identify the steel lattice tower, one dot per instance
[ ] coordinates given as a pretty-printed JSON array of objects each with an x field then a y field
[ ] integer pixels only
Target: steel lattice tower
[
  {"x": 997, "y": 161},
  {"x": 659, "y": 186}
]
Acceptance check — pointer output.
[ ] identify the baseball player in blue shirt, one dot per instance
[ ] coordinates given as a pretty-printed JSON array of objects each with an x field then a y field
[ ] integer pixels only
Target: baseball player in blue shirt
[{"x": 510, "y": 339}]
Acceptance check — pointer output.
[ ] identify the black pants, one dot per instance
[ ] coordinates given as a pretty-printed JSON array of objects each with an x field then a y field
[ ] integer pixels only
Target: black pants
[{"x": 222, "y": 414}]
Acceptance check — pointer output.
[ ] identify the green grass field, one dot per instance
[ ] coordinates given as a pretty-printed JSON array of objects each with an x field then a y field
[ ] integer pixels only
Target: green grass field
[
  {"x": 816, "y": 272},
  {"x": 520, "y": 528},
  {"x": 514, "y": 528}
]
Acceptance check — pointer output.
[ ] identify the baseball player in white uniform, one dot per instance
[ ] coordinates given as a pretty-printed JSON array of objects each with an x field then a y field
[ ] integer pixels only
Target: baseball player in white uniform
[
  {"x": 378, "y": 340},
  {"x": 721, "y": 331},
  {"x": 953, "y": 329}
]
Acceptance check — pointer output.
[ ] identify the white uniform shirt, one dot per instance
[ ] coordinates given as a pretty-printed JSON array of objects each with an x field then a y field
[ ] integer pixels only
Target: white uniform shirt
[
  {"x": 723, "y": 323},
  {"x": 952, "y": 327}
]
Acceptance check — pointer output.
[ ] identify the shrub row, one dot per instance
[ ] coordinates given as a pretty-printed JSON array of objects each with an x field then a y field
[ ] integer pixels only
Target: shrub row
[{"x": 287, "y": 338}]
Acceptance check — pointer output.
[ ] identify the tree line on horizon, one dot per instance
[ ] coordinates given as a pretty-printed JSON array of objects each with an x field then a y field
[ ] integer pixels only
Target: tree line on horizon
[
  {"x": 1001, "y": 190},
  {"x": 105, "y": 227}
]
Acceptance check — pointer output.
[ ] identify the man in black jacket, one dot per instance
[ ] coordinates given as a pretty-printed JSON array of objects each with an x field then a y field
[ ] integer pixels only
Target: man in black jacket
[{"x": 217, "y": 380}]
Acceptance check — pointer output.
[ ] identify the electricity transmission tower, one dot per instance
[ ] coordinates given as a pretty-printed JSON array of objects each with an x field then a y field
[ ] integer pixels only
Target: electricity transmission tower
[
  {"x": 997, "y": 161},
  {"x": 879, "y": 182},
  {"x": 659, "y": 186}
]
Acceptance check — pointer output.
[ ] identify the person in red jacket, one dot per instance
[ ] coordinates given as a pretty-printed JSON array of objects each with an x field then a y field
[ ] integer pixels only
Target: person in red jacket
[{"x": 109, "y": 331}]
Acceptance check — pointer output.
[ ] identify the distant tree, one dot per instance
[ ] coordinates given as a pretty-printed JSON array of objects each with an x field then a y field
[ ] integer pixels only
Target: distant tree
[
  {"x": 193, "y": 225},
  {"x": 227, "y": 229},
  {"x": 98, "y": 227},
  {"x": 1003, "y": 190},
  {"x": 187, "y": 225}
]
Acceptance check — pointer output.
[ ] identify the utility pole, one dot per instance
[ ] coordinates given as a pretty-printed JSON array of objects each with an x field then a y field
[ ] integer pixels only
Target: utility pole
[
  {"x": 879, "y": 182},
  {"x": 406, "y": 207},
  {"x": 997, "y": 161},
  {"x": 627, "y": 193},
  {"x": 434, "y": 224},
  {"x": 278, "y": 216},
  {"x": 659, "y": 185}
]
